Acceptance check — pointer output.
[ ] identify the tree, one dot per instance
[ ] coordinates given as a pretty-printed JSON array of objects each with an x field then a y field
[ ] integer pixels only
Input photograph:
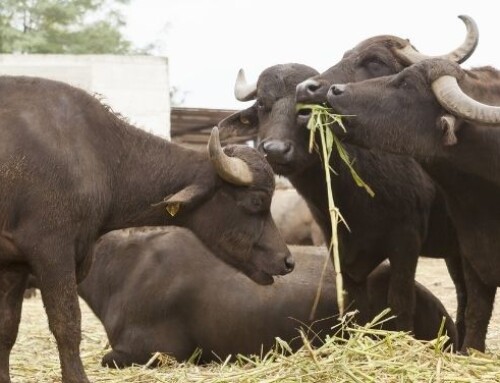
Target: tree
[{"x": 62, "y": 26}]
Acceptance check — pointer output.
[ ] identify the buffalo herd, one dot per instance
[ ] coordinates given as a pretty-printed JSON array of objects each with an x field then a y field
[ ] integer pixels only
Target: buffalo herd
[{"x": 199, "y": 262}]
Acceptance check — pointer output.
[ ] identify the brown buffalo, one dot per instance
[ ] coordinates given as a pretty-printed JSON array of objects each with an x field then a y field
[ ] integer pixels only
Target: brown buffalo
[
  {"x": 384, "y": 55},
  {"x": 71, "y": 170},
  {"x": 435, "y": 112},
  {"x": 161, "y": 289}
]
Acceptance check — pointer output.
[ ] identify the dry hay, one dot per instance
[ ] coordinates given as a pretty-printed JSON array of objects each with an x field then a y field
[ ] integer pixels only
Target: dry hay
[{"x": 369, "y": 355}]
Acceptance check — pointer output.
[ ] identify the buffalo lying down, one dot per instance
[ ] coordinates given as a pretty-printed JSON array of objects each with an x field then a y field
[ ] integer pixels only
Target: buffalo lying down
[{"x": 161, "y": 289}]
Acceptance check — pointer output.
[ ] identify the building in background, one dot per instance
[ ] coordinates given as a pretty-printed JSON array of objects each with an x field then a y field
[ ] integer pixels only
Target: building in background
[{"x": 137, "y": 87}]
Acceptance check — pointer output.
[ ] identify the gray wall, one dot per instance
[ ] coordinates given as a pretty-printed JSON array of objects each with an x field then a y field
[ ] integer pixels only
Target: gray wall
[{"x": 135, "y": 86}]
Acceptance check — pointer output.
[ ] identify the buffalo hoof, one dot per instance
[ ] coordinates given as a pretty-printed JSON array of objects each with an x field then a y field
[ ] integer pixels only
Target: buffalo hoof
[
  {"x": 115, "y": 359},
  {"x": 118, "y": 359}
]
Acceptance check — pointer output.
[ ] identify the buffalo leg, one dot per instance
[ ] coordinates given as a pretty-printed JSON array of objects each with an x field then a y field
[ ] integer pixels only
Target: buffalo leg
[
  {"x": 401, "y": 295},
  {"x": 136, "y": 344},
  {"x": 455, "y": 269},
  {"x": 12, "y": 285},
  {"x": 478, "y": 311},
  {"x": 357, "y": 299},
  {"x": 57, "y": 282}
]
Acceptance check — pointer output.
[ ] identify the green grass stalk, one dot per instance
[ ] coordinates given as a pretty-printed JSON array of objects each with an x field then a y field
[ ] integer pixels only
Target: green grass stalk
[{"x": 320, "y": 122}]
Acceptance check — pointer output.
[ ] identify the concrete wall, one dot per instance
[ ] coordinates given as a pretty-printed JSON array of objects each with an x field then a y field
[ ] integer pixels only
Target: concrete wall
[{"x": 135, "y": 86}]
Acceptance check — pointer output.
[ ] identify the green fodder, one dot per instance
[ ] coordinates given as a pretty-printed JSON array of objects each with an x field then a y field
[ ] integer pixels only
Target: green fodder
[{"x": 320, "y": 124}]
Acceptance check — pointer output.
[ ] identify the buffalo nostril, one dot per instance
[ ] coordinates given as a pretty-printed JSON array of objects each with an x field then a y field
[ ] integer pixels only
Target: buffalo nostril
[
  {"x": 308, "y": 87},
  {"x": 287, "y": 147},
  {"x": 311, "y": 88},
  {"x": 337, "y": 89},
  {"x": 289, "y": 263},
  {"x": 276, "y": 147}
]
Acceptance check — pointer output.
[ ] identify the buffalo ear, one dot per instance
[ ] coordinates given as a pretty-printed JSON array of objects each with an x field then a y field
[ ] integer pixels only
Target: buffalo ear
[
  {"x": 186, "y": 197},
  {"x": 450, "y": 127},
  {"x": 243, "y": 124}
]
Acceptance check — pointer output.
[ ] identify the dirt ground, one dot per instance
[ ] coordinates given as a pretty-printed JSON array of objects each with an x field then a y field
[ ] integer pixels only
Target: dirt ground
[
  {"x": 35, "y": 359},
  {"x": 432, "y": 274}
]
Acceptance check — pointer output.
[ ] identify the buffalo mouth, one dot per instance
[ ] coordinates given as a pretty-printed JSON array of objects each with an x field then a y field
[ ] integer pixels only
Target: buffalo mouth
[
  {"x": 303, "y": 116},
  {"x": 261, "y": 278},
  {"x": 256, "y": 274},
  {"x": 282, "y": 169},
  {"x": 282, "y": 162}
]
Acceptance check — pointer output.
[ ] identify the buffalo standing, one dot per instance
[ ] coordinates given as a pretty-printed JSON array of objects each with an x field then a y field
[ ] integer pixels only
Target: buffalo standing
[
  {"x": 446, "y": 125},
  {"x": 71, "y": 170}
]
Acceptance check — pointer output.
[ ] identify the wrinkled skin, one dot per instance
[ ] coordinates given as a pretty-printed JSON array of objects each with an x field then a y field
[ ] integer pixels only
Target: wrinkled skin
[
  {"x": 392, "y": 225},
  {"x": 468, "y": 170},
  {"x": 161, "y": 289},
  {"x": 71, "y": 171}
]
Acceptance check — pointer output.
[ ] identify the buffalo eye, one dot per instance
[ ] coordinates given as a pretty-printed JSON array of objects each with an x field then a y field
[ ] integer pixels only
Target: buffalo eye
[
  {"x": 260, "y": 104},
  {"x": 376, "y": 67},
  {"x": 255, "y": 203}
]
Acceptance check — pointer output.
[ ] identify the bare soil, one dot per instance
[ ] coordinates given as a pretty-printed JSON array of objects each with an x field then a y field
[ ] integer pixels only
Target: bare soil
[{"x": 432, "y": 274}]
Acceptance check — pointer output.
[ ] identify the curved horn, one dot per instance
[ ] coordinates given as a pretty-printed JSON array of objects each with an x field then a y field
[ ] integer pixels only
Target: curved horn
[
  {"x": 231, "y": 169},
  {"x": 459, "y": 55},
  {"x": 242, "y": 90},
  {"x": 453, "y": 99}
]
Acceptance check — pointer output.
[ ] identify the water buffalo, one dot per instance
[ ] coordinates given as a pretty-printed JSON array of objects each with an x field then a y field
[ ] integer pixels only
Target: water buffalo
[
  {"x": 434, "y": 111},
  {"x": 407, "y": 216},
  {"x": 161, "y": 289},
  {"x": 379, "y": 56},
  {"x": 71, "y": 170}
]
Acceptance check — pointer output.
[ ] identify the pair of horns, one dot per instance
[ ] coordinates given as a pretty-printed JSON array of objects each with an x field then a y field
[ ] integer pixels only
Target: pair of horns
[
  {"x": 231, "y": 169},
  {"x": 246, "y": 92},
  {"x": 446, "y": 88},
  {"x": 411, "y": 56}
]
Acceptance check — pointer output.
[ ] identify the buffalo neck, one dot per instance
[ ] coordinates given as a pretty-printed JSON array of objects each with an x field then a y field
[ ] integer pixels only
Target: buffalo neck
[
  {"x": 310, "y": 183},
  {"x": 477, "y": 152},
  {"x": 477, "y": 147},
  {"x": 148, "y": 169}
]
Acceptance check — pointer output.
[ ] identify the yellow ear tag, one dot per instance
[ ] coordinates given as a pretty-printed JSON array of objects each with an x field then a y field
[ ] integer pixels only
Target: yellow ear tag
[
  {"x": 173, "y": 208},
  {"x": 244, "y": 120}
]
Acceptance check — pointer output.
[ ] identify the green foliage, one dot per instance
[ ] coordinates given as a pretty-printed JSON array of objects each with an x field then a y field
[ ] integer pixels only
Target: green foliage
[{"x": 62, "y": 26}]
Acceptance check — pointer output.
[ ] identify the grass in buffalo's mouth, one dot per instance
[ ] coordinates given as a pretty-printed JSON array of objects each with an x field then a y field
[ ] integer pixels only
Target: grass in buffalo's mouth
[
  {"x": 320, "y": 124},
  {"x": 321, "y": 120}
]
